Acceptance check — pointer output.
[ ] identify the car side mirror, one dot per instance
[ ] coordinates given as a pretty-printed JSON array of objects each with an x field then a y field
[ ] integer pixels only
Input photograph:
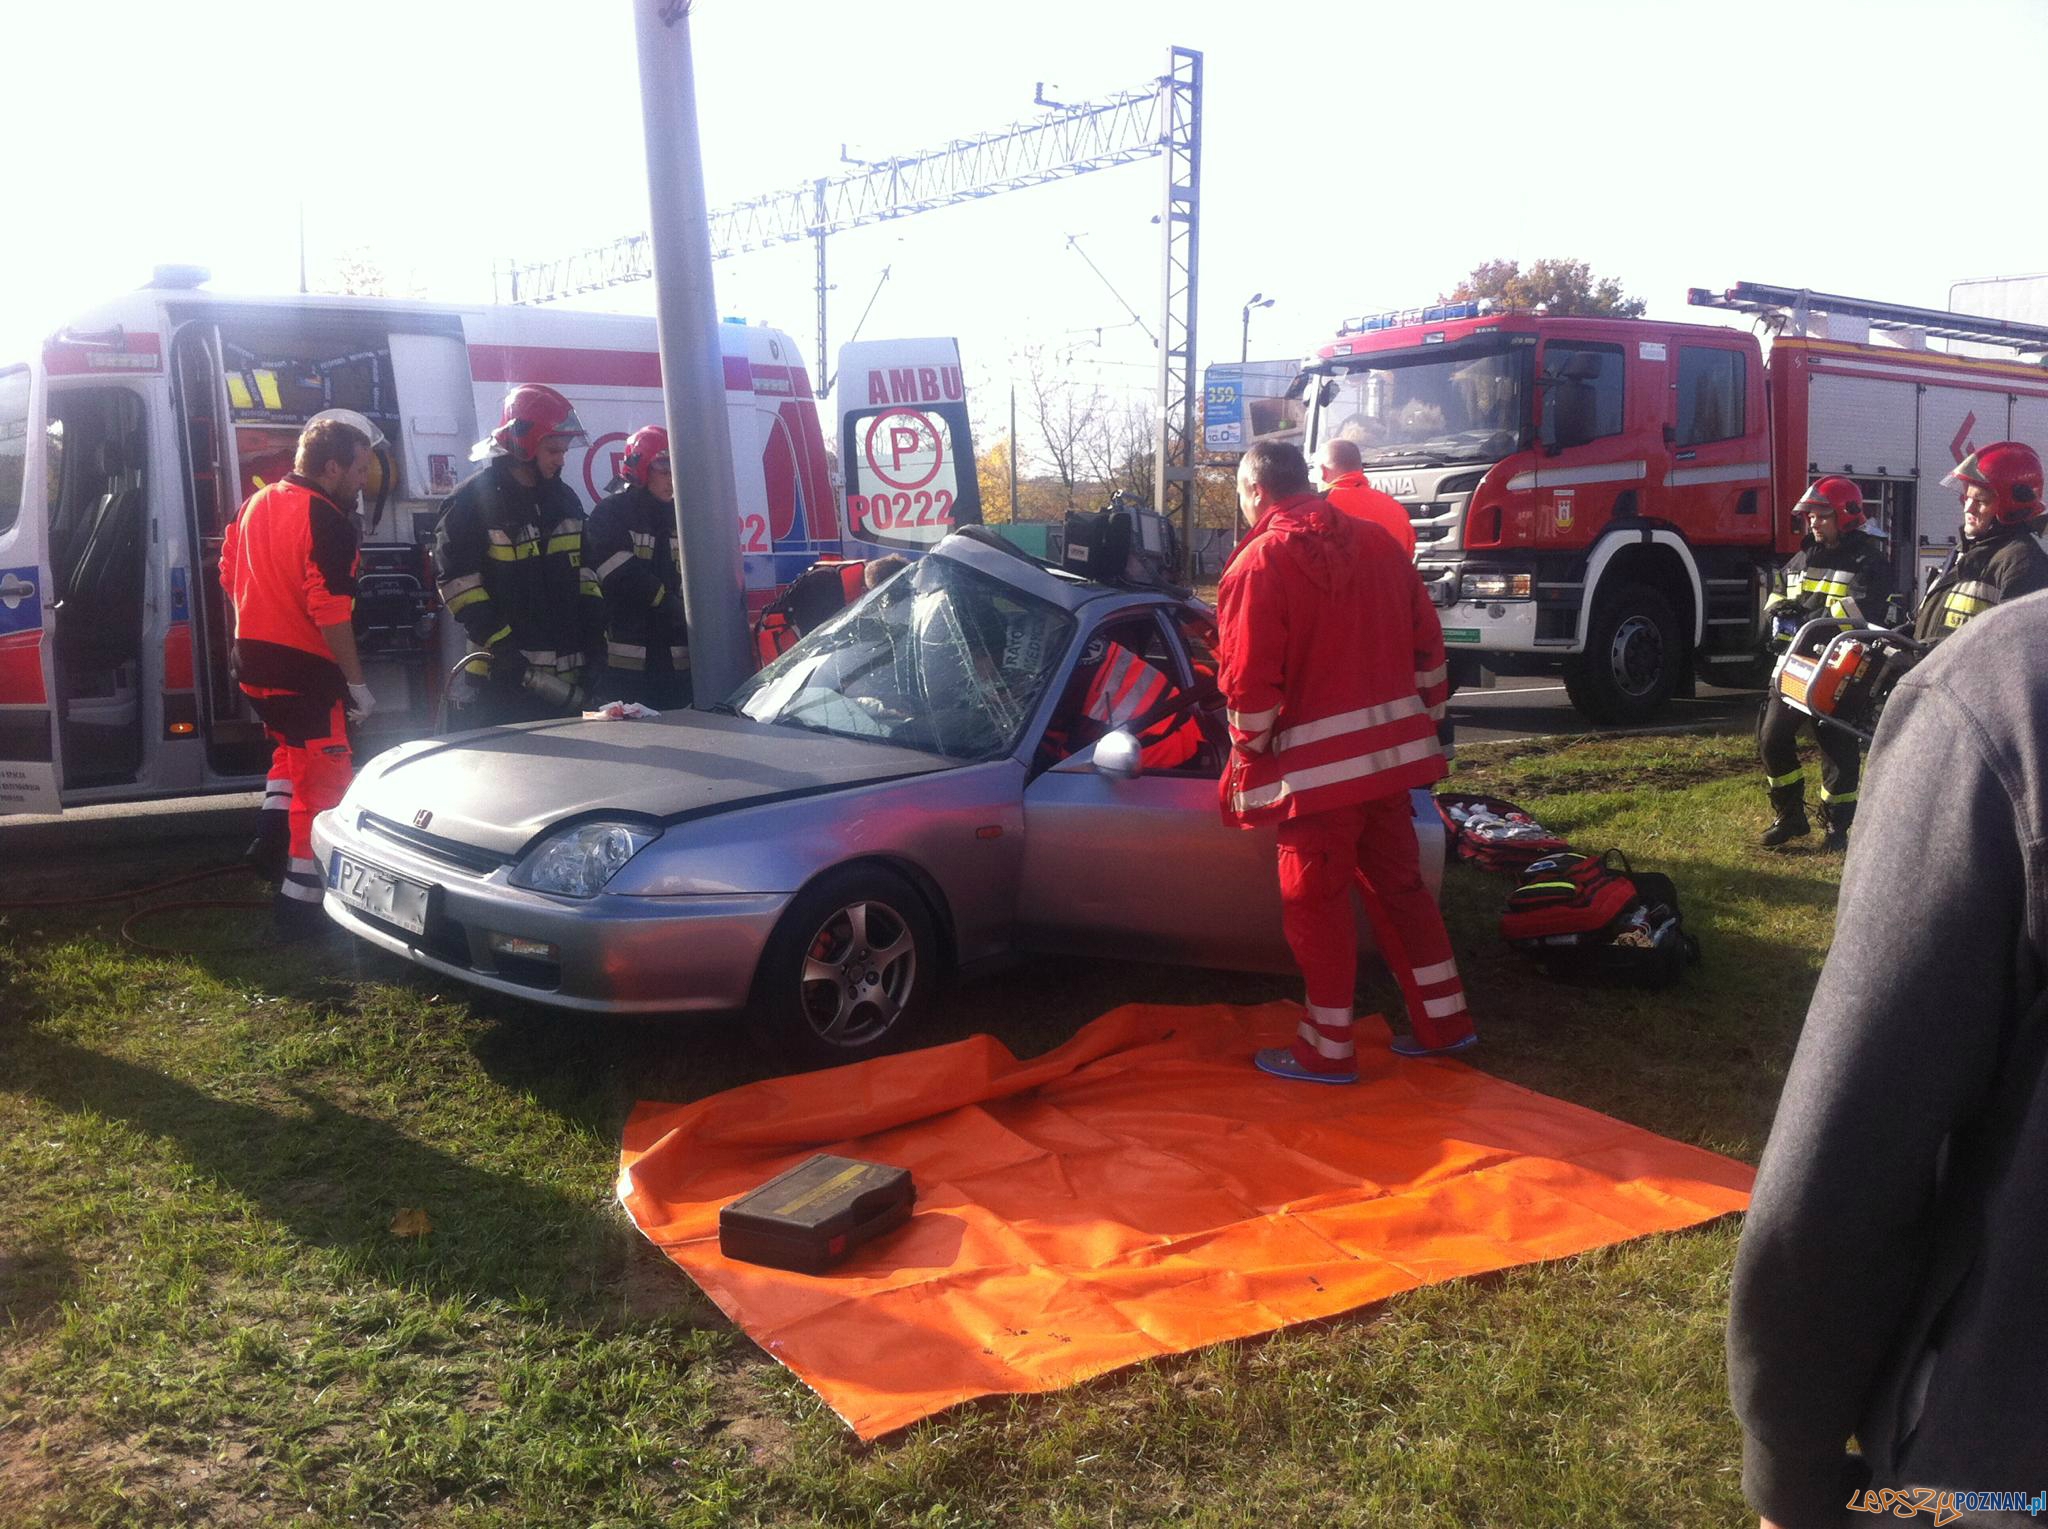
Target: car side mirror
[{"x": 1117, "y": 756}]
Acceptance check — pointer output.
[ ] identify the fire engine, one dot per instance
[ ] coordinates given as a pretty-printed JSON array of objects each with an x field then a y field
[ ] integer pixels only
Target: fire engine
[
  {"x": 1608, "y": 499},
  {"x": 128, "y": 443}
]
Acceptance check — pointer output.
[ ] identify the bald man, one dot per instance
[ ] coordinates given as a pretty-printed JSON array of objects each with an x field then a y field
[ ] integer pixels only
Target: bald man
[{"x": 1344, "y": 485}]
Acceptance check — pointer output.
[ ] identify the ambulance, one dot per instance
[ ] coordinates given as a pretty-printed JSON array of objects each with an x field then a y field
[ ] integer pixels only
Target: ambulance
[{"x": 130, "y": 441}]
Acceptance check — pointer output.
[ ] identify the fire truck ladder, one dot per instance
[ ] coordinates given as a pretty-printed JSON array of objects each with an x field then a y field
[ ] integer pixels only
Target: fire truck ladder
[
  {"x": 1799, "y": 303},
  {"x": 1163, "y": 119}
]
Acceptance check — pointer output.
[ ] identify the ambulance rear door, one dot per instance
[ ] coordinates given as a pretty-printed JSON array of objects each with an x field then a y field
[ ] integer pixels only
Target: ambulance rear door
[
  {"x": 30, "y": 762},
  {"x": 905, "y": 445}
]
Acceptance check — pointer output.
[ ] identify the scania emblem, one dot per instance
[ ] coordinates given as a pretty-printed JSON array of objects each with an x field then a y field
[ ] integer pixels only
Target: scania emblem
[{"x": 422, "y": 818}]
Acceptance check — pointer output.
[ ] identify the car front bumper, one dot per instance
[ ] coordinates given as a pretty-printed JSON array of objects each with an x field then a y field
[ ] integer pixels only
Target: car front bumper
[{"x": 613, "y": 955}]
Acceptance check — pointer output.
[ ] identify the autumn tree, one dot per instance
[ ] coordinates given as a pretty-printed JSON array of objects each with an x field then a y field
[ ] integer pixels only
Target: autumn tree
[
  {"x": 1556, "y": 286},
  {"x": 1067, "y": 416}
]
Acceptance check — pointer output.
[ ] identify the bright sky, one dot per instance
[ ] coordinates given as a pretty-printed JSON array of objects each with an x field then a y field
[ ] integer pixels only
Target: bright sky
[{"x": 1358, "y": 154}]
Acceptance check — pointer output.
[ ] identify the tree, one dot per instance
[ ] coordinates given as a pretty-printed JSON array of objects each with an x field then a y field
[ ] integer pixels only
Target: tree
[
  {"x": 1066, "y": 416},
  {"x": 1120, "y": 449},
  {"x": 1556, "y": 286}
]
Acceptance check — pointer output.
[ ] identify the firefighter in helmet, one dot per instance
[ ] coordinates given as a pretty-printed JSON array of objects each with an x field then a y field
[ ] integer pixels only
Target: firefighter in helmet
[
  {"x": 631, "y": 544},
  {"x": 1841, "y": 572},
  {"x": 509, "y": 561},
  {"x": 1997, "y": 558}
]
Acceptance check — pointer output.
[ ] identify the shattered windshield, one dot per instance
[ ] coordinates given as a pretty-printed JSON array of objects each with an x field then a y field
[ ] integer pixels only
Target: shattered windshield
[
  {"x": 940, "y": 658},
  {"x": 1463, "y": 403}
]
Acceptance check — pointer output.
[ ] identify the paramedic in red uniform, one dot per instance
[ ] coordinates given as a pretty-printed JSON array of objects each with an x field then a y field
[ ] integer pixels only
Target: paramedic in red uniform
[
  {"x": 288, "y": 565},
  {"x": 1344, "y": 485},
  {"x": 1332, "y": 671}
]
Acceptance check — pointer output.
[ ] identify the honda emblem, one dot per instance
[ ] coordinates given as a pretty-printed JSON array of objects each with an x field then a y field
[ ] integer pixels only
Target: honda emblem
[{"x": 422, "y": 818}]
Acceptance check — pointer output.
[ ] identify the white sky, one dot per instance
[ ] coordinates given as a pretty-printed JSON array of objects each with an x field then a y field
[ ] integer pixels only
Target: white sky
[{"x": 1358, "y": 154}]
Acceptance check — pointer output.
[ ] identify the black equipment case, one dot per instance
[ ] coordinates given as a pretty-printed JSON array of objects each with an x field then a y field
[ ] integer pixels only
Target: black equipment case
[{"x": 809, "y": 1217}]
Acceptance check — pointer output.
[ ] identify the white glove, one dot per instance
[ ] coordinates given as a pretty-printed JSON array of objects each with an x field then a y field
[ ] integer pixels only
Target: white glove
[{"x": 360, "y": 702}]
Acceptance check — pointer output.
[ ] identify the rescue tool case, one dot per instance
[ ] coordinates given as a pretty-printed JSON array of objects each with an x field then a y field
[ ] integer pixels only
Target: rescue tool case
[{"x": 813, "y": 1215}]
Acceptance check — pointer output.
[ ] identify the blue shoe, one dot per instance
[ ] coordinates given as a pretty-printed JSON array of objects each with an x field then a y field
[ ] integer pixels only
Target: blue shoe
[
  {"x": 1281, "y": 1062},
  {"x": 1409, "y": 1046}
]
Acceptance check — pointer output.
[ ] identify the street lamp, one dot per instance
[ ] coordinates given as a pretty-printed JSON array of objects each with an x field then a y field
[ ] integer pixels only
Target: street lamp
[{"x": 1256, "y": 300}]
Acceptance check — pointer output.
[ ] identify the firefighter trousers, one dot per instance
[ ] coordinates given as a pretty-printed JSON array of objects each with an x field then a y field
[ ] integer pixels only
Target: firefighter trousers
[
  {"x": 309, "y": 735},
  {"x": 1371, "y": 846},
  {"x": 1841, "y": 764}
]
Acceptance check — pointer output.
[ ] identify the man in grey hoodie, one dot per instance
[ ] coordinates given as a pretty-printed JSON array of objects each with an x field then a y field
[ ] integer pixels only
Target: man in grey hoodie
[{"x": 1892, "y": 1282}]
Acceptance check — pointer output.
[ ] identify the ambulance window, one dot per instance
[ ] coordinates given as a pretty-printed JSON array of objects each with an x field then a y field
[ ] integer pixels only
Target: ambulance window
[
  {"x": 1711, "y": 386},
  {"x": 13, "y": 443},
  {"x": 1582, "y": 392}
]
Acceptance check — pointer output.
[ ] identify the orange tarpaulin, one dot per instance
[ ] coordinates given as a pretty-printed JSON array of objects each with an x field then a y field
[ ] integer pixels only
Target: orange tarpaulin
[{"x": 1140, "y": 1191}]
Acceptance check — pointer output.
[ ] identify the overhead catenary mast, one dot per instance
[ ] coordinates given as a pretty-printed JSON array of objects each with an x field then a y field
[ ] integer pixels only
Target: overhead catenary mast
[{"x": 1163, "y": 119}]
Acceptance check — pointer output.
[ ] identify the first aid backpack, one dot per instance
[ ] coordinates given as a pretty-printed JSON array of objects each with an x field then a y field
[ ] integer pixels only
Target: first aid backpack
[{"x": 1597, "y": 917}]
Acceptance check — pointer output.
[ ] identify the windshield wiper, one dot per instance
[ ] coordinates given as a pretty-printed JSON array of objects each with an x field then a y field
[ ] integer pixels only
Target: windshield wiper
[
  {"x": 1405, "y": 458},
  {"x": 723, "y": 708}
]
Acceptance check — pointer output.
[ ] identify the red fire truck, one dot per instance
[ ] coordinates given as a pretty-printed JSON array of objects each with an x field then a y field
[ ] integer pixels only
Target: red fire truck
[{"x": 1608, "y": 499}]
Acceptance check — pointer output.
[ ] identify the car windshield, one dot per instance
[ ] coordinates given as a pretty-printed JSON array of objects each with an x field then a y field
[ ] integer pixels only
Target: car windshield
[
  {"x": 1461, "y": 403},
  {"x": 940, "y": 658}
]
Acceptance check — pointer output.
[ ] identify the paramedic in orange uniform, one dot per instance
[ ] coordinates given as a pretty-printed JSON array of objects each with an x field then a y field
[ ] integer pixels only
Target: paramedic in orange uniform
[
  {"x": 288, "y": 565},
  {"x": 1332, "y": 670},
  {"x": 1344, "y": 485}
]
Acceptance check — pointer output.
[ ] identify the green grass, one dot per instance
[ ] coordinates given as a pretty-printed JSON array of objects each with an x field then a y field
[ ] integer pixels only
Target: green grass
[{"x": 204, "y": 1319}]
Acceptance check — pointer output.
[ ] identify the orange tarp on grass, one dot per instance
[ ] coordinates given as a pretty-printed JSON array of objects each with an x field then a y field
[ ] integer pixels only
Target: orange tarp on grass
[{"x": 1140, "y": 1191}]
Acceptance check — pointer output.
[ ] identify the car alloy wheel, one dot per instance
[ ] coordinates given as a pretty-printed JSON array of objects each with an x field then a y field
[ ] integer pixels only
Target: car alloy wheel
[{"x": 859, "y": 974}]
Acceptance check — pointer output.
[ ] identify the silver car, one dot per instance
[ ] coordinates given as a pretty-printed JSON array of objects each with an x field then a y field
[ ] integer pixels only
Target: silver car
[{"x": 985, "y": 756}]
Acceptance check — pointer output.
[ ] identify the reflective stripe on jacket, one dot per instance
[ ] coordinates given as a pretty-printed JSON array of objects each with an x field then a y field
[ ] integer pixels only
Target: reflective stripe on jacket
[
  {"x": 1332, "y": 667},
  {"x": 1980, "y": 574},
  {"x": 508, "y": 560},
  {"x": 629, "y": 544},
  {"x": 1850, "y": 581}
]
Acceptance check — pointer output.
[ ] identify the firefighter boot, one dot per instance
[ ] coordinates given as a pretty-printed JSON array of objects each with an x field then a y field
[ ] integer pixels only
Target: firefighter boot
[
  {"x": 1835, "y": 818},
  {"x": 1789, "y": 805}
]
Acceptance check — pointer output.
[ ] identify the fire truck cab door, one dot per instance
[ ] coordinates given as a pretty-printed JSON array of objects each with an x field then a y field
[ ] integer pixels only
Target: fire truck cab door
[{"x": 31, "y": 762}]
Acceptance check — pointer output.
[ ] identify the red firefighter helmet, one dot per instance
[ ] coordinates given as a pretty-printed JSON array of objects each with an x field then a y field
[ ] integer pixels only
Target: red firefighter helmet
[
  {"x": 1845, "y": 497},
  {"x": 2011, "y": 473},
  {"x": 533, "y": 412},
  {"x": 646, "y": 449}
]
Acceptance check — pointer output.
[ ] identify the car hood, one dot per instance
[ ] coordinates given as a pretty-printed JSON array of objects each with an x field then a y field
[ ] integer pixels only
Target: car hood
[{"x": 496, "y": 790}]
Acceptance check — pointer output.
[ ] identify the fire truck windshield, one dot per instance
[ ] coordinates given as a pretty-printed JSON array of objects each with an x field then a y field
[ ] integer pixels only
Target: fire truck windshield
[{"x": 1463, "y": 403}]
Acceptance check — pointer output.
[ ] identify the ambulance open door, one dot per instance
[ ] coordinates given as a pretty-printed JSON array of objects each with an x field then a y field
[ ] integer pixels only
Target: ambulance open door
[
  {"x": 906, "y": 449},
  {"x": 30, "y": 746}
]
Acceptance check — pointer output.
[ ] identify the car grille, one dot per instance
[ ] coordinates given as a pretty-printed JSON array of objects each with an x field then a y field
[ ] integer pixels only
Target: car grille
[{"x": 464, "y": 857}]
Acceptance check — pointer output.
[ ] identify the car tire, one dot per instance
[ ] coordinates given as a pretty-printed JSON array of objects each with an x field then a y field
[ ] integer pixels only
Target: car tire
[
  {"x": 1632, "y": 660},
  {"x": 849, "y": 972}
]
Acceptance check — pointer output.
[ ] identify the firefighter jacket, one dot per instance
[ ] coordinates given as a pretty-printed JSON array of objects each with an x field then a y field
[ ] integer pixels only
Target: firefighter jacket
[
  {"x": 288, "y": 566},
  {"x": 1983, "y": 572},
  {"x": 1850, "y": 581},
  {"x": 1354, "y": 496},
  {"x": 630, "y": 543},
  {"x": 509, "y": 563},
  {"x": 1332, "y": 667}
]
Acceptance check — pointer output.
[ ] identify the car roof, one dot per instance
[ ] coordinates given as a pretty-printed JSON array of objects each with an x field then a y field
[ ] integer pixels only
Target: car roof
[{"x": 984, "y": 552}]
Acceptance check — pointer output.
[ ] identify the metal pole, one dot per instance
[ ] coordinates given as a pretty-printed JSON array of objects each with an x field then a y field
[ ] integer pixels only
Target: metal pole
[
  {"x": 1013, "y": 453},
  {"x": 302, "y": 246},
  {"x": 824, "y": 372},
  {"x": 692, "y": 367}
]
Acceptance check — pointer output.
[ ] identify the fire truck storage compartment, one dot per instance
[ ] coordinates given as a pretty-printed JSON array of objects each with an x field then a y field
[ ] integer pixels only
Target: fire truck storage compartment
[{"x": 99, "y": 544}]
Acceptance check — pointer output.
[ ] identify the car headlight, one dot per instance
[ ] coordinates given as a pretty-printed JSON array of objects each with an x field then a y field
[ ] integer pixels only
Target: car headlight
[
  {"x": 1495, "y": 584},
  {"x": 577, "y": 862}
]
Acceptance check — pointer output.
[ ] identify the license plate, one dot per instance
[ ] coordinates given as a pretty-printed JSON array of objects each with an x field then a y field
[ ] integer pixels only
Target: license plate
[{"x": 379, "y": 893}]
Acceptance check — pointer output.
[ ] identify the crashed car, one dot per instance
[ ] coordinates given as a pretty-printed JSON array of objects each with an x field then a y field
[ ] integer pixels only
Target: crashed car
[{"x": 986, "y": 757}]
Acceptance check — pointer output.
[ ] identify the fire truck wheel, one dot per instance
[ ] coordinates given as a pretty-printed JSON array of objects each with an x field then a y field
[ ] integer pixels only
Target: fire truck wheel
[
  {"x": 1633, "y": 657},
  {"x": 849, "y": 972}
]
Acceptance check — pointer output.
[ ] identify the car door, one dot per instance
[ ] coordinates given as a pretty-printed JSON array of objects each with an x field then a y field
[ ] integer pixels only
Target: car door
[
  {"x": 31, "y": 750},
  {"x": 1144, "y": 868}
]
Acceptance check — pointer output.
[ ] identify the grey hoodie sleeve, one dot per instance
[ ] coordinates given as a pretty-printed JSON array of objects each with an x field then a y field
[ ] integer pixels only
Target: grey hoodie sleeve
[{"x": 1900, "y": 1046}]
